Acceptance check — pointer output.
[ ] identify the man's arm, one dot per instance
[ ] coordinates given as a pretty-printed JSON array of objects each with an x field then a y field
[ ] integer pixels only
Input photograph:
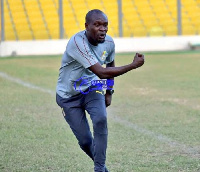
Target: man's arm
[
  {"x": 111, "y": 72},
  {"x": 108, "y": 96},
  {"x": 112, "y": 64}
]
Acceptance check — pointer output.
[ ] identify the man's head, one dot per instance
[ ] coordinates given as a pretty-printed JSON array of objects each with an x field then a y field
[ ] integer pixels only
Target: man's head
[{"x": 96, "y": 25}]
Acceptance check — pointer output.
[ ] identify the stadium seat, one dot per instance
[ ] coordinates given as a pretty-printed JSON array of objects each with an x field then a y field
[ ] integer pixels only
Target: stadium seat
[
  {"x": 111, "y": 9},
  {"x": 36, "y": 20},
  {"x": 198, "y": 2},
  {"x": 132, "y": 20},
  {"x": 51, "y": 18},
  {"x": 80, "y": 10},
  {"x": 19, "y": 18},
  {"x": 9, "y": 30},
  {"x": 156, "y": 31},
  {"x": 187, "y": 27},
  {"x": 71, "y": 25},
  {"x": 190, "y": 16},
  {"x": 172, "y": 7},
  {"x": 91, "y": 4}
]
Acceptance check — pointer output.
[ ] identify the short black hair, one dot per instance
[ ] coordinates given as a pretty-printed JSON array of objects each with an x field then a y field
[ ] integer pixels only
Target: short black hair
[{"x": 89, "y": 15}]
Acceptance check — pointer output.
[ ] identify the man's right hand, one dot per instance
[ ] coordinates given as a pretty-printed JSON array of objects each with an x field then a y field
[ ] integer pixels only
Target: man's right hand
[{"x": 138, "y": 60}]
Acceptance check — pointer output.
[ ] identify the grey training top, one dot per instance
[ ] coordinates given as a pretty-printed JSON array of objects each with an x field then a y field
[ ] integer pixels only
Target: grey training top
[{"x": 77, "y": 58}]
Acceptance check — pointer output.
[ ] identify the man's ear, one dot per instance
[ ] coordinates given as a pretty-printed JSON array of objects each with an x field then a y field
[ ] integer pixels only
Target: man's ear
[{"x": 86, "y": 26}]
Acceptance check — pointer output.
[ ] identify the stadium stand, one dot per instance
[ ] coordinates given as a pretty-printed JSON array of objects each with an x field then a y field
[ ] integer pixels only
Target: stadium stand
[{"x": 38, "y": 19}]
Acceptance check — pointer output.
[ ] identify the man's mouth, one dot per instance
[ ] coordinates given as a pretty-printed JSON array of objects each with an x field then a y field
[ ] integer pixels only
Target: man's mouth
[{"x": 102, "y": 36}]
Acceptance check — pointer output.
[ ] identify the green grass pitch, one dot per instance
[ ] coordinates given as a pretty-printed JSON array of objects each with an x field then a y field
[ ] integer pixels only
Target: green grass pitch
[{"x": 154, "y": 119}]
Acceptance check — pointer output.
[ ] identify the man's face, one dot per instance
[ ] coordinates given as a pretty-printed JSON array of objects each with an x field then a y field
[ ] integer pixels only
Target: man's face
[{"x": 97, "y": 28}]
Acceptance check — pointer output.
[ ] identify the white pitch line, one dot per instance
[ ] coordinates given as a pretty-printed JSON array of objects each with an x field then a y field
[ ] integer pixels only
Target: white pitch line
[
  {"x": 26, "y": 84},
  {"x": 192, "y": 151}
]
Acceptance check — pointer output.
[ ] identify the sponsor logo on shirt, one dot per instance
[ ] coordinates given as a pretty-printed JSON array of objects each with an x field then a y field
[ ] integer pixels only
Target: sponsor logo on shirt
[
  {"x": 98, "y": 85},
  {"x": 104, "y": 55}
]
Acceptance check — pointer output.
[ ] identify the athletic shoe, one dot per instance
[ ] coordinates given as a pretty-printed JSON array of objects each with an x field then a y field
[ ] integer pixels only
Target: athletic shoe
[{"x": 106, "y": 170}]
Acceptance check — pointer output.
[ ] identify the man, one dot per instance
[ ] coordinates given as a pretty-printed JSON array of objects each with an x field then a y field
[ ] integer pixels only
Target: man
[{"x": 82, "y": 62}]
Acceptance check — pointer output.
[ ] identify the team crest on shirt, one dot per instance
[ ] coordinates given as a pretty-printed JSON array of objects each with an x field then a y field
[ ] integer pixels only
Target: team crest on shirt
[{"x": 104, "y": 55}]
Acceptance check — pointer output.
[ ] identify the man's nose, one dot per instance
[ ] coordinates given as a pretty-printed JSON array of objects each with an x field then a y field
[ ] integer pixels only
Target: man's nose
[{"x": 103, "y": 28}]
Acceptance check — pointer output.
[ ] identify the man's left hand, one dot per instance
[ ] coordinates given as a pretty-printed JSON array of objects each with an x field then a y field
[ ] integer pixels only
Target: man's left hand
[{"x": 108, "y": 99}]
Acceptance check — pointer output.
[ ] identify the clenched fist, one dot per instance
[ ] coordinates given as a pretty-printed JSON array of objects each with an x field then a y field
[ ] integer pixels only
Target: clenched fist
[{"x": 138, "y": 60}]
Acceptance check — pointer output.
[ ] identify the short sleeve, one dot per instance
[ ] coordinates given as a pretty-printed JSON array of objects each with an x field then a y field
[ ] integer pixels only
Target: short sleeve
[
  {"x": 110, "y": 58},
  {"x": 79, "y": 50},
  {"x": 111, "y": 55}
]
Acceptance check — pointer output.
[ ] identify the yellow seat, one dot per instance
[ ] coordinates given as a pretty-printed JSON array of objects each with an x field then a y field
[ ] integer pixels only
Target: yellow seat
[
  {"x": 51, "y": 18},
  {"x": 19, "y": 19},
  {"x": 111, "y": 9},
  {"x": 94, "y": 4},
  {"x": 156, "y": 31}
]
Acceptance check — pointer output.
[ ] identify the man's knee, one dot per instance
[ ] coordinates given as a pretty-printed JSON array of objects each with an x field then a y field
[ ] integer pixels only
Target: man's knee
[
  {"x": 85, "y": 142},
  {"x": 100, "y": 125}
]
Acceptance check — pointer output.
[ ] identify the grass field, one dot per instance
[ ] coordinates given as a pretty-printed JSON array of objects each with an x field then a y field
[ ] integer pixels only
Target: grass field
[{"x": 154, "y": 120}]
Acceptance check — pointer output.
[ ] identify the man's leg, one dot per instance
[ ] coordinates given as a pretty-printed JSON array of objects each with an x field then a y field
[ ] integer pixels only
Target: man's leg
[
  {"x": 75, "y": 116},
  {"x": 95, "y": 106}
]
